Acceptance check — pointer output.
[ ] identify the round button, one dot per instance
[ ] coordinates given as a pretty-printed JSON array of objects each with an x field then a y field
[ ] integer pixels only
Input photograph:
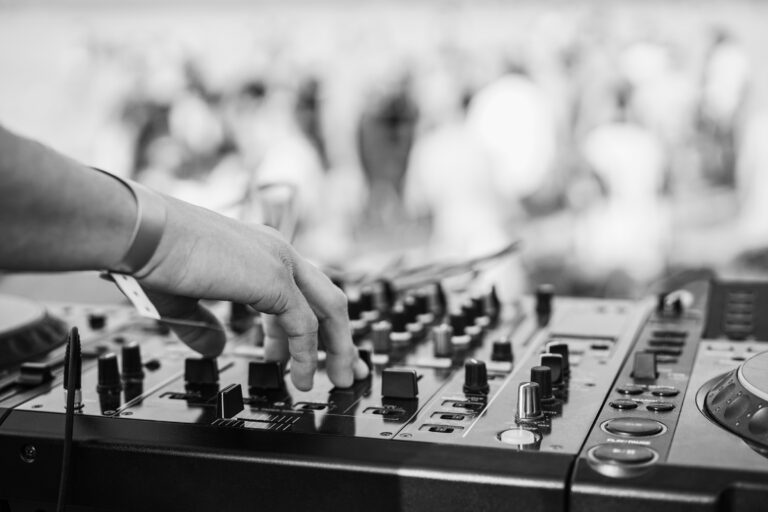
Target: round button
[
  {"x": 634, "y": 427},
  {"x": 665, "y": 391},
  {"x": 758, "y": 425},
  {"x": 630, "y": 390},
  {"x": 518, "y": 437},
  {"x": 624, "y": 404},
  {"x": 623, "y": 454},
  {"x": 660, "y": 406}
]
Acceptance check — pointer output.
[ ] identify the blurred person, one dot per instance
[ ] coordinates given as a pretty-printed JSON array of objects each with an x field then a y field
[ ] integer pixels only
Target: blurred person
[
  {"x": 725, "y": 83},
  {"x": 385, "y": 135},
  {"x": 59, "y": 215},
  {"x": 512, "y": 118},
  {"x": 624, "y": 235},
  {"x": 451, "y": 181}
]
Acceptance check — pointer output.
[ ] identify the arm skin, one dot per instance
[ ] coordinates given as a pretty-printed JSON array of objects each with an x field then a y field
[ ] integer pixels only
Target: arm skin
[{"x": 58, "y": 215}]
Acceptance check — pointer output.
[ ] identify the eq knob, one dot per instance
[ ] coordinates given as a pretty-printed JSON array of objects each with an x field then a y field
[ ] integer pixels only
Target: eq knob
[
  {"x": 542, "y": 375},
  {"x": 528, "y": 402},
  {"x": 544, "y": 295},
  {"x": 441, "y": 338},
  {"x": 131, "y": 362},
  {"x": 502, "y": 351},
  {"x": 108, "y": 382},
  {"x": 555, "y": 364},
  {"x": 562, "y": 350},
  {"x": 475, "y": 377},
  {"x": 381, "y": 336}
]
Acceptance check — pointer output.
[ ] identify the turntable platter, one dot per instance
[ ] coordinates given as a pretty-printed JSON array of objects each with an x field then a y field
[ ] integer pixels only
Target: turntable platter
[
  {"x": 27, "y": 331},
  {"x": 739, "y": 401}
]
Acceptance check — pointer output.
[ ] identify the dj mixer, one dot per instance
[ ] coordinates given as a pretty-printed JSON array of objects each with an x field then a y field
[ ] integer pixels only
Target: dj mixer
[{"x": 545, "y": 403}]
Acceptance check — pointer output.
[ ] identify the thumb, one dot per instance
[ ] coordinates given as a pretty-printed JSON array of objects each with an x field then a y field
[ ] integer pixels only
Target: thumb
[{"x": 192, "y": 322}]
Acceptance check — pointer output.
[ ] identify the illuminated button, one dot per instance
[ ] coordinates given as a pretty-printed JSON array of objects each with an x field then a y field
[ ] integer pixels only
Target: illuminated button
[
  {"x": 630, "y": 390},
  {"x": 665, "y": 391},
  {"x": 660, "y": 406},
  {"x": 623, "y": 454},
  {"x": 518, "y": 437},
  {"x": 634, "y": 427}
]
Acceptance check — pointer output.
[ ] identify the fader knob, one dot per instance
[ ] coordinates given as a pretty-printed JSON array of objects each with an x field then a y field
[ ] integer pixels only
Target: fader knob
[
  {"x": 201, "y": 371},
  {"x": 561, "y": 349},
  {"x": 528, "y": 402},
  {"x": 108, "y": 379},
  {"x": 542, "y": 375},
  {"x": 131, "y": 362},
  {"x": 400, "y": 384},
  {"x": 502, "y": 351},
  {"x": 555, "y": 364},
  {"x": 544, "y": 295},
  {"x": 475, "y": 377},
  {"x": 441, "y": 338},
  {"x": 265, "y": 376}
]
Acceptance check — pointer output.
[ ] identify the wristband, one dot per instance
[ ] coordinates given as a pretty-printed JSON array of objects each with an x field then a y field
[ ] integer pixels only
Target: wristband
[{"x": 148, "y": 230}]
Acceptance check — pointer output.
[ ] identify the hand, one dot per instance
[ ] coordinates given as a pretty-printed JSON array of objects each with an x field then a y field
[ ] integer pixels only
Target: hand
[{"x": 203, "y": 255}]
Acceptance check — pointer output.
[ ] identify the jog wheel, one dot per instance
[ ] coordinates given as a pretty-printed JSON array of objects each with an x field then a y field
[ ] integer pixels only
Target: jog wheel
[
  {"x": 738, "y": 401},
  {"x": 27, "y": 331}
]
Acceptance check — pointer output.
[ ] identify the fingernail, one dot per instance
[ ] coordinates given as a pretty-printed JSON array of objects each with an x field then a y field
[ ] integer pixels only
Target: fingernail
[{"x": 360, "y": 369}]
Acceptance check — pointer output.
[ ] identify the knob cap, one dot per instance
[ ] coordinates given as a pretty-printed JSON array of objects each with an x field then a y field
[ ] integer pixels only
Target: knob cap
[
  {"x": 380, "y": 335},
  {"x": 422, "y": 303},
  {"x": 355, "y": 309},
  {"x": 502, "y": 351},
  {"x": 528, "y": 402},
  {"x": 399, "y": 319},
  {"x": 399, "y": 383},
  {"x": 468, "y": 309},
  {"x": 441, "y": 299},
  {"x": 201, "y": 371},
  {"x": 108, "y": 373},
  {"x": 544, "y": 295},
  {"x": 131, "y": 362},
  {"x": 441, "y": 338},
  {"x": 265, "y": 376},
  {"x": 458, "y": 323},
  {"x": 542, "y": 375},
  {"x": 555, "y": 363},
  {"x": 478, "y": 306},
  {"x": 561, "y": 349},
  {"x": 493, "y": 304},
  {"x": 241, "y": 318},
  {"x": 411, "y": 309},
  {"x": 475, "y": 377},
  {"x": 97, "y": 321},
  {"x": 367, "y": 299},
  {"x": 229, "y": 401}
]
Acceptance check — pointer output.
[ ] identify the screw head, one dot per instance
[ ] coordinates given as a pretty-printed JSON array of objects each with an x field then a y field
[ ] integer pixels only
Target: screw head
[{"x": 28, "y": 453}]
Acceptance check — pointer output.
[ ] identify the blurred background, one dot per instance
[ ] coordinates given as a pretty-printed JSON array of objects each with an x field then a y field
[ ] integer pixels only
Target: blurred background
[{"x": 623, "y": 142}]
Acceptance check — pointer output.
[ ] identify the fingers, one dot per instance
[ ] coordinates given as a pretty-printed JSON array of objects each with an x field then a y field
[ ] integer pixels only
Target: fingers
[
  {"x": 208, "y": 341},
  {"x": 329, "y": 304},
  {"x": 299, "y": 324}
]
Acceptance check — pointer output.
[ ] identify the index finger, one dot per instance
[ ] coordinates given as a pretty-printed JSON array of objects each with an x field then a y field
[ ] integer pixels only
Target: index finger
[{"x": 330, "y": 307}]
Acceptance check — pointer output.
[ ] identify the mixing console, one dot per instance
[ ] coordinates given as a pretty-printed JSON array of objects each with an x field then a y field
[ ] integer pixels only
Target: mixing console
[{"x": 547, "y": 403}]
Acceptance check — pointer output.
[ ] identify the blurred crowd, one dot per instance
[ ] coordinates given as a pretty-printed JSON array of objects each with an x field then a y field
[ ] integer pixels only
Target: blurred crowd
[{"x": 619, "y": 156}]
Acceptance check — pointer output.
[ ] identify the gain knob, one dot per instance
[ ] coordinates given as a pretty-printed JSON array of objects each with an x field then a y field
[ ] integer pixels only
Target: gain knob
[
  {"x": 562, "y": 350},
  {"x": 441, "y": 338},
  {"x": 502, "y": 351},
  {"x": 528, "y": 403},
  {"x": 475, "y": 377},
  {"x": 542, "y": 375},
  {"x": 544, "y": 296},
  {"x": 555, "y": 364}
]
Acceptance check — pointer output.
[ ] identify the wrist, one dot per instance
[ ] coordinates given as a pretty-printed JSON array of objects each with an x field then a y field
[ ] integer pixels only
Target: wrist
[{"x": 147, "y": 230}]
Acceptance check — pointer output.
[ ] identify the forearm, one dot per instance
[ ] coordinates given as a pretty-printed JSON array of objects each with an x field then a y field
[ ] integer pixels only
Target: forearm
[{"x": 56, "y": 214}]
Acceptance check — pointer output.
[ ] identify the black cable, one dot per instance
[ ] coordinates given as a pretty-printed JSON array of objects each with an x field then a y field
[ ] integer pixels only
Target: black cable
[{"x": 71, "y": 383}]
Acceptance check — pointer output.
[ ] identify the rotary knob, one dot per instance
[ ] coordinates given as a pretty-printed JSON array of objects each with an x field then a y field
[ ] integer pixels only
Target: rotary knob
[
  {"x": 528, "y": 403},
  {"x": 502, "y": 351},
  {"x": 562, "y": 350},
  {"x": 441, "y": 338},
  {"x": 555, "y": 364},
  {"x": 475, "y": 377},
  {"x": 544, "y": 295},
  {"x": 542, "y": 375}
]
